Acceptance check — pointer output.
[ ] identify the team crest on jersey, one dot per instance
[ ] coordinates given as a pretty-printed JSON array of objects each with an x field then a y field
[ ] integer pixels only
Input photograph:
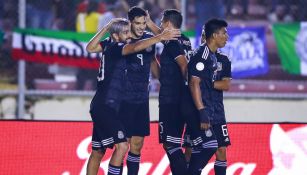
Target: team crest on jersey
[
  {"x": 219, "y": 66},
  {"x": 200, "y": 66},
  {"x": 120, "y": 134},
  {"x": 208, "y": 133},
  {"x": 148, "y": 49}
]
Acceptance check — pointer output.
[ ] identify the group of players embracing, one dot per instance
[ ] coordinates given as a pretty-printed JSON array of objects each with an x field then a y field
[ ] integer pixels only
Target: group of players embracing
[{"x": 190, "y": 97}]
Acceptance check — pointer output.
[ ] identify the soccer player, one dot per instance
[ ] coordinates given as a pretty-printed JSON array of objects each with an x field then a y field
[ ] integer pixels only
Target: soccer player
[
  {"x": 202, "y": 75},
  {"x": 222, "y": 83},
  {"x": 134, "y": 110},
  {"x": 173, "y": 75},
  {"x": 108, "y": 129}
]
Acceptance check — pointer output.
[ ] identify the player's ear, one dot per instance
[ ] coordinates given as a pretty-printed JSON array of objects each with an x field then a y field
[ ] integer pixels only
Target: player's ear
[
  {"x": 115, "y": 36},
  {"x": 214, "y": 35}
]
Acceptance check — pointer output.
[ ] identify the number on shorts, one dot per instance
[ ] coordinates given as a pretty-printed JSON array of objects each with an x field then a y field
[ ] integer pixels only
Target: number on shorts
[{"x": 224, "y": 130}]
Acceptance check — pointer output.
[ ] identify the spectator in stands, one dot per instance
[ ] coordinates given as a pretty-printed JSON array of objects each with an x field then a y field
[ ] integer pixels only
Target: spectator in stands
[
  {"x": 88, "y": 22},
  {"x": 244, "y": 5},
  {"x": 40, "y": 13},
  {"x": 65, "y": 15},
  {"x": 277, "y": 14},
  {"x": 114, "y": 10},
  {"x": 83, "y": 5},
  {"x": 302, "y": 12},
  {"x": 153, "y": 8},
  {"x": 1, "y": 13},
  {"x": 205, "y": 10}
]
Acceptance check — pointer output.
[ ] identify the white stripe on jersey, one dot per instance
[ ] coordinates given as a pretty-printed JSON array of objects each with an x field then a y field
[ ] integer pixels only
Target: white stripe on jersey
[{"x": 206, "y": 53}]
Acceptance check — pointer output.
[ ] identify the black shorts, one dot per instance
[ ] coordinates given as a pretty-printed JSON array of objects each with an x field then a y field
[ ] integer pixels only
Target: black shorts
[
  {"x": 107, "y": 127},
  {"x": 135, "y": 118},
  {"x": 221, "y": 133},
  {"x": 171, "y": 124},
  {"x": 194, "y": 136}
]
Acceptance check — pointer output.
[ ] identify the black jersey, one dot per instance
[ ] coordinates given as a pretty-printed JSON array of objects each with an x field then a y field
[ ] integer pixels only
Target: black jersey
[
  {"x": 138, "y": 70},
  {"x": 223, "y": 71},
  {"x": 171, "y": 79},
  {"x": 111, "y": 77},
  {"x": 203, "y": 64}
]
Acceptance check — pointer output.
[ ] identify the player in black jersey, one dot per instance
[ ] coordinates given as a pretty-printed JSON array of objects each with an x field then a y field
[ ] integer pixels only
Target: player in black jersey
[
  {"x": 108, "y": 130},
  {"x": 134, "y": 110},
  {"x": 221, "y": 83},
  {"x": 203, "y": 68},
  {"x": 173, "y": 75}
]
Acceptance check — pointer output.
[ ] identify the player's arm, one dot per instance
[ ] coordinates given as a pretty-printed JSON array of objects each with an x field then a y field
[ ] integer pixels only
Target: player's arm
[
  {"x": 194, "y": 86},
  {"x": 94, "y": 44},
  {"x": 143, "y": 44},
  {"x": 151, "y": 25},
  {"x": 155, "y": 68},
  {"x": 223, "y": 85},
  {"x": 225, "y": 82},
  {"x": 183, "y": 65}
]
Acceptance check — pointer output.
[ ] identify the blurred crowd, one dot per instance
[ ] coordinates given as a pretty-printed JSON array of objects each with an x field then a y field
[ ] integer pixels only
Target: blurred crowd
[{"x": 89, "y": 15}]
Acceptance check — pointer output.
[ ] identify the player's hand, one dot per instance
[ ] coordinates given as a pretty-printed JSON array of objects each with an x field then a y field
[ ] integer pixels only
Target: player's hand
[
  {"x": 204, "y": 126},
  {"x": 170, "y": 34},
  {"x": 148, "y": 19}
]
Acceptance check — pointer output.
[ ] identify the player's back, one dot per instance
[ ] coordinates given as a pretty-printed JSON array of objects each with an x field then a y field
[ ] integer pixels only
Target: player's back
[
  {"x": 171, "y": 78},
  {"x": 111, "y": 76}
]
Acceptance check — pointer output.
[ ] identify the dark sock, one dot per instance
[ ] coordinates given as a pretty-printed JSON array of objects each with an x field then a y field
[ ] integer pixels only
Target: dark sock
[
  {"x": 133, "y": 163},
  {"x": 113, "y": 170},
  {"x": 121, "y": 169},
  {"x": 220, "y": 167},
  {"x": 177, "y": 160},
  {"x": 200, "y": 157}
]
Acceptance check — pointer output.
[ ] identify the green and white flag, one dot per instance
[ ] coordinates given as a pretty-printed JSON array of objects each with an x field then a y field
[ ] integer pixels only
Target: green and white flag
[
  {"x": 53, "y": 47},
  {"x": 291, "y": 42}
]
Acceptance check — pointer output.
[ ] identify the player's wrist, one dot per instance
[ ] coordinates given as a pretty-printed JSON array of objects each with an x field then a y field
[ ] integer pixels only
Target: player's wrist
[{"x": 204, "y": 115}]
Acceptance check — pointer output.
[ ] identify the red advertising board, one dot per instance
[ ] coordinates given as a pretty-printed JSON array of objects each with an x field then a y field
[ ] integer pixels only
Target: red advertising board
[{"x": 63, "y": 148}]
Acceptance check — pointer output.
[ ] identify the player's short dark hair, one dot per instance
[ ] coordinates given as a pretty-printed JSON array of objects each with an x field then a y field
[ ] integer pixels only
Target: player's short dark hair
[
  {"x": 213, "y": 25},
  {"x": 136, "y": 12},
  {"x": 173, "y": 16}
]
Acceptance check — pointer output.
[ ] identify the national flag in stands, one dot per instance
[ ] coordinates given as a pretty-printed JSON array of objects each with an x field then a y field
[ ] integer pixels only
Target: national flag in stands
[
  {"x": 291, "y": 41},
  {"x": 54, "y": 47}
]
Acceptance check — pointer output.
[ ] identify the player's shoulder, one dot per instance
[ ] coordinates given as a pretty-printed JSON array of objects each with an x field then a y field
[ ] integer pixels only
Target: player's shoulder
[
  {"x": 107, "y": 40},
  {"x": 147, "y": 34},
  {"x": 222, "y": 56},
  {"x": 185, "y": 40}
]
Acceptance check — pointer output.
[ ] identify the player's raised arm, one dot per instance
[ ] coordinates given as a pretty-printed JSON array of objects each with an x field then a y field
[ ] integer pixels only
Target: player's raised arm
[
  {"x": 94, "y": 44},
  {"x": 143, "y": 44},
  {"x": 151, "y": 25}
]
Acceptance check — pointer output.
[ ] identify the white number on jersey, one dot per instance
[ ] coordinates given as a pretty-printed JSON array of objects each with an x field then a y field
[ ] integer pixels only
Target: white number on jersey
[
  {"x": 101, "y": 70},
  {"x": 140, "y": 56}
]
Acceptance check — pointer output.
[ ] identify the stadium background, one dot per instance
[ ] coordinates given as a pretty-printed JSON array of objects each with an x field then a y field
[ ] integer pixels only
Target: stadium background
[{"x": 44, "y": 102}]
